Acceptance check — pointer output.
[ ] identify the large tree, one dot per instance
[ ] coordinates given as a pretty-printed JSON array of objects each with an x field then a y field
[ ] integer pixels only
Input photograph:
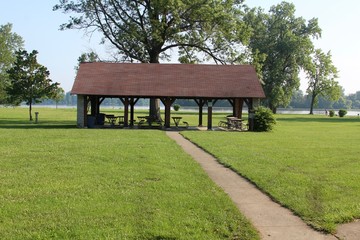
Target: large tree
[
  {"x": 146, "y": 31},
  {"x": 9, "y": 43},
  {"x": 58, "y": 96},
  {"x": 87, "y": 57},
  {"x": 281, "y": 44},
  {"x": 322, "y": 75},
  {"x": 29, "y": 81}
]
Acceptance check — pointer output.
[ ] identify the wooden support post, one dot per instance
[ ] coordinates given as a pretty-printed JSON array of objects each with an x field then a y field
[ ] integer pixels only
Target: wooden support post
[
  {"x": 234, "y": 105},
  {"x": 97, "y": 112},
  {"x": 167, "y": 112},
  {"x": 200, "y": 103},
  {"x": 126, "y": 103},
  {"x": 93, "y": 105},
  {"x": 132, "y": 106},
  {"x": 210, "y": 105}
]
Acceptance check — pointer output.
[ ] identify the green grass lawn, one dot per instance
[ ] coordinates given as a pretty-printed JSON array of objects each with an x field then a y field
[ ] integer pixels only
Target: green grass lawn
[
  {"x": 61, "y": 182},
  {"x": 310, "y": 164}
]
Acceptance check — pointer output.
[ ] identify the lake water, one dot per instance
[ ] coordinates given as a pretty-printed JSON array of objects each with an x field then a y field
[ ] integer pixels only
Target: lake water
[{"x": 351, "y": 112}]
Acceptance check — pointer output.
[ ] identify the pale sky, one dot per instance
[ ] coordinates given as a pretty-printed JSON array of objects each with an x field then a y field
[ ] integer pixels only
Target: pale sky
[{"x": 58, "y": 50}]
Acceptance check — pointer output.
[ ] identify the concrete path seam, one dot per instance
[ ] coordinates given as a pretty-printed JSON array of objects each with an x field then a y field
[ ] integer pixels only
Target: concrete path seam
[{"x": 273, "y": 221}]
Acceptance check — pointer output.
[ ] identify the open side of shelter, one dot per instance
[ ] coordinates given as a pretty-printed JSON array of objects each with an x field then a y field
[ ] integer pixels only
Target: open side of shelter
[{"x": 205, "y": 84}]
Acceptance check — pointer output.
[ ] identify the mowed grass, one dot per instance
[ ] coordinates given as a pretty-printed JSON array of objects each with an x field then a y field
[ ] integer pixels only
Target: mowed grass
[
  {"x": 61, "y": 182},
  {"x": 310, "y": 164}
]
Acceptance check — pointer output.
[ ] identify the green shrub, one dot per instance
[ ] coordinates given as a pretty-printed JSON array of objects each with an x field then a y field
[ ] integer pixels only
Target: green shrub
[
  {"x": 264, "y": 119},
  {"x": 331, "y": 113},
  {"x": 342, "y": 112},
  {"x": 176, "y": 107}
]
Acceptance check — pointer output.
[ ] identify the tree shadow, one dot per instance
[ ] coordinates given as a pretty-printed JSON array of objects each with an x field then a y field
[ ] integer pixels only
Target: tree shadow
[
  {"x": 21, "y": 124},
  {"x": 317, "y": 119},
  {"x": 162, "y": 238}
]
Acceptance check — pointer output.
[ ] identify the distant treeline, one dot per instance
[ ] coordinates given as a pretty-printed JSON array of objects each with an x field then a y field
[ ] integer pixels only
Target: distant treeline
[
  {"x": 351, "y": 101},
  {"x": 299, "y": 100}
]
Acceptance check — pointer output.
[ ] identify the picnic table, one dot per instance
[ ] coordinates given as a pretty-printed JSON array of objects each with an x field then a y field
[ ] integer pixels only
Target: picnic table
[
  {"x": 112, "y": 119},
  {"x": 176, "y": 120},
  {"x": 232, "y": 123},
  {"x": 149, "y": 120},
  {"x": 142, "y": 120}
]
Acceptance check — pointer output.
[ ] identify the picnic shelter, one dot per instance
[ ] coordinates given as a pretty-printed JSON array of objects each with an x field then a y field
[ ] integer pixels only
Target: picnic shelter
[{"x": 204, "y": 83}]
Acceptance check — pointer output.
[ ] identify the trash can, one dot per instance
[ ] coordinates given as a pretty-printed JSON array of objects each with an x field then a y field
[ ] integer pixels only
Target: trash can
[
  {"x": 36, "y": 117},
  {"x": 100, "y": 119},
  {"x": 91, "y": 121}
]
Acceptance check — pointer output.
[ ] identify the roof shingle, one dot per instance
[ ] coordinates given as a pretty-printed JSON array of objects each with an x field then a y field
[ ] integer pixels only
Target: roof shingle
[{"x": 167, "y": 80}]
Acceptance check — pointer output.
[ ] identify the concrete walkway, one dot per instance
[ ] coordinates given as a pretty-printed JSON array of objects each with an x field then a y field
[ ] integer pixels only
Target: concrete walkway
[
  {"x": 269, "y": 218},
  {"x": 349, "y": 231}
]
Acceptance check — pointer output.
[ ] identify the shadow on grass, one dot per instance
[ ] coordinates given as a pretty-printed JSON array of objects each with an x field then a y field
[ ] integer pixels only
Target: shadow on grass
[
  {"x": 162, "y": 238},
  {"x": 22, "y": 124},
  {"x": 317, "y": 119}
]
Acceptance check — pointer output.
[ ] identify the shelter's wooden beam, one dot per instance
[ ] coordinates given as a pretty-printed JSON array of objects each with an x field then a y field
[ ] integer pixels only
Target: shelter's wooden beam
[
  {"x": 101, "y": 100},
  {"x": 164, "y": 100},
  {"x": 97, "y": 100},
  {"x": 200, "y": 102},
  {"x": 126, "y": 103},
  {"x": 210, "y": 105},
  {"x": 133, "y": 101},
  {"x": 93, "y": 101},
  {"x": 247, "y": 101}
]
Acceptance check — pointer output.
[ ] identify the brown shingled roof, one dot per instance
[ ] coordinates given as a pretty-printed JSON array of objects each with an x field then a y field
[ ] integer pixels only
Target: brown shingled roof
[{"x": 167, "y": 80}]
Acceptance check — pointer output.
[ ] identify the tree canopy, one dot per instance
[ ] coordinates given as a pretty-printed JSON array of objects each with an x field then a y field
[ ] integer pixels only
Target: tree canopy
[
  {"x": 29, "y": 81},
  {"x": 281, "y": 44},
  {"x": 87, "y": 57},
  {"x": 9, "y": 43},
  {"x": 146, "y": 30}
]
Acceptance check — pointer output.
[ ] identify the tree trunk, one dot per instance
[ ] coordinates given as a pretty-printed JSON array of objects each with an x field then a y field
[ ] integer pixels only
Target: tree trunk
[
  {"x": 272, "y": 108},
  {"x": 30, "y": 109},
  {"x": 313, "y": 96},
  {"x": 154, "y": 108}
]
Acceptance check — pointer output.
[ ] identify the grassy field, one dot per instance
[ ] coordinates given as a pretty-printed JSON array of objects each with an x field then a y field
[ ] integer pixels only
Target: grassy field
[
  {"x": 61, "y": 182},
  {"x": 310, "y": 164}
]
